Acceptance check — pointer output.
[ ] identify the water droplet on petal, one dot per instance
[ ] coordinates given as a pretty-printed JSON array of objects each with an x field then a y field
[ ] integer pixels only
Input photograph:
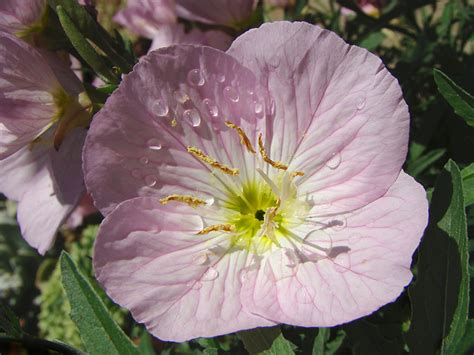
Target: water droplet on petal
[
  {"x": 150, "y": 180},
  {"x": 342, "y": 262},
  {"x": 335, "y": 161},
  {"x": 201, "y": 259},
  {"x": 258, "y": 107},
  {"x": 231, "y": 94},
  {"x": 136, "y": 173},
  {"x": 192, "y": 116},
  {"x": 211, "y": 107},
  {"x": 160, "y": 108},
  {"x": 250, "y": 92},
  {"x": 210, "y": 274},
  {"x": 221, "y": 78},
  {"x": 195, "y": 285},
  {"x": 210, "y": 201},
  {"x": 195, "y": 78},
  {"x": 361, "y": 102},
  {"x": 144, "y": 160},
  {"x": 304, "y": 295},
  {"x": 154, "y": 144}
]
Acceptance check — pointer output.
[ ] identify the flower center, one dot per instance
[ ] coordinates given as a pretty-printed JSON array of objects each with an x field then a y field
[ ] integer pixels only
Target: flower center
[{"x": 259, "y": 215}]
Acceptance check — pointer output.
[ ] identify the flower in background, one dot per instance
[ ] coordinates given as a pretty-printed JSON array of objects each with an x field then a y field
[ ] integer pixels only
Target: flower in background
[
  {"x": 369, "y": 7},
  {"x": 41, "y": 139},
  {"x": 254, "y": 187},
  {"x": 22, "y": 18},
  {"x": 157, "y": 20}
]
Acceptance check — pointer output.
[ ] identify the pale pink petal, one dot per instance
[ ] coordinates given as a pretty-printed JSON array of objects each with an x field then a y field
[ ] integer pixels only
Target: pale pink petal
[
  {"x": 145, "y": 17},
  {"x": 84, "y": 209},
  {"x": 175, "y": 34},
  {"x": 28, "y": 87},
  {"x": 222, "y": 12},
  {"x": 339, "y": 114},
  {"x": 175, "y": 98},
  {"x": 368, "y": 266},
  {"x": 150, "y": 260},
  {"x": 48, "y": 185},
  {"x": 16, "y": 16}
]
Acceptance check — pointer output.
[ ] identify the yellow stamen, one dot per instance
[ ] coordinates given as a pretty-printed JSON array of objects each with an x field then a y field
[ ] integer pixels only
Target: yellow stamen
[
  {"x": 297, "y": 173},
  {"x": 244, "y": 140},
  {"x": 212, "y": 162},
  {"x": 173, "y": 122},
  {"x": 217, "y": 228},
  {"x": 266, "y": 158},
  {"x": 190, "y": 200}
]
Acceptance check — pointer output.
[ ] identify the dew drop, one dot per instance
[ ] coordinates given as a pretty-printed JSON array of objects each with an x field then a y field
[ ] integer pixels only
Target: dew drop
[
  {"x": 201, "y": 259},
  {"x": 195, "y": 285},
  {"x": 304, "y": 295},
  {"x": 210, "y": 274},
  {"x": 154, "y": 144},
  {"x": 342, "y": 262},
  {"x": 144, "y": 160},
  {"x": 360, "y": 102},
  {"x": 150, "y": 180},
  {"x": 192, "y": 116},
  {"x": 335, "y": 161},
  {"x": 136, "y": 173},
  {"x": 210, "y": 201},
  {"x": 221, "y": 78},
  {"x": 231, "y": 94},
  {"x": 195, "y": 78},
  {"x": 211, "y": 107},
  {"x": 160, "y": 108},
  {"x": 258, "y": 107},
  {"x": 250, "y": 92}
]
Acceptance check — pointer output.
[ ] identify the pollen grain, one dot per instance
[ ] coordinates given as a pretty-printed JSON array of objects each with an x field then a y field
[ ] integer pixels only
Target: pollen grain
[
  {"x": 190, "y": 200},
  {"x": 244, "y": 140},
  {"x": 212, "y": 162},
  {"x": 266, "y": 158}
]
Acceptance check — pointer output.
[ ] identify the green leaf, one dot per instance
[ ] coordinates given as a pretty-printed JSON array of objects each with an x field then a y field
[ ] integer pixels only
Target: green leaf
[
  {"x": 85, "y": 49},
  {"x": 99, "y": 333},
  {"x": 372, "y": 41},
  {"x": 460, "y": 100},
  {"x": 466, "y": 344},
  {"x": 323, "y": 346},
  {"x": 440, "y": 295},
  {"x": 146, "y": 346},
  {"x": 266, "y": 341},
  {"x": 414, "y": 168},
  {"x": 9, "y": 322},
  {"x": 468, "y": 184},
  {"x": 115, "y": 50}
]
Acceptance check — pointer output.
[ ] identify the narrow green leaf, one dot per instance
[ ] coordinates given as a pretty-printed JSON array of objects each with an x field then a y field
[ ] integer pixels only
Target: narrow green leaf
[
  {"x": 99, "y": 333},
  {"x": 146, "y": 346},
  {"x": 466, "y": 344},
  {"x": 9, "y": 322},
  {"x": 210, "y": 351},
  {"x": 423, "y": 162},
  {"x": 440, "y": 295},
  {"x": 89, "y": 27},
  {"x": 323, "y": 346},
  {"x": 460, "y": 100},
  {"x": 85, "y": 49},
  {"x": 319, "y": 345},
  {"x": 266, "y": 341},
  {"x": 468, "y": 184}
]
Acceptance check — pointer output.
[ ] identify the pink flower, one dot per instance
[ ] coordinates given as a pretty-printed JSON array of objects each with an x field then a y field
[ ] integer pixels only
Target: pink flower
[
  {"x": 220, "y": 12},
  {"x": 175, "y": 34},
  {"x": 84, "y": 209},
  {"x": 254, "y": 187},
  {"x": 21, "y": 17},
  {"x": 40, "y": 146}
]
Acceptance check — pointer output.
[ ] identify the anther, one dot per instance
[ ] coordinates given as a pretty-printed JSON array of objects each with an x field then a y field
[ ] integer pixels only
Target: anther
[
  {"x": 266, "y": 158},
  {"x": 297, "y": 173},
  {"x": 212, "y": 162},
  {"x": 244, "y": 140},
  {"x": 190, "y": 200},
  {"x": 217, "y": 228}
]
